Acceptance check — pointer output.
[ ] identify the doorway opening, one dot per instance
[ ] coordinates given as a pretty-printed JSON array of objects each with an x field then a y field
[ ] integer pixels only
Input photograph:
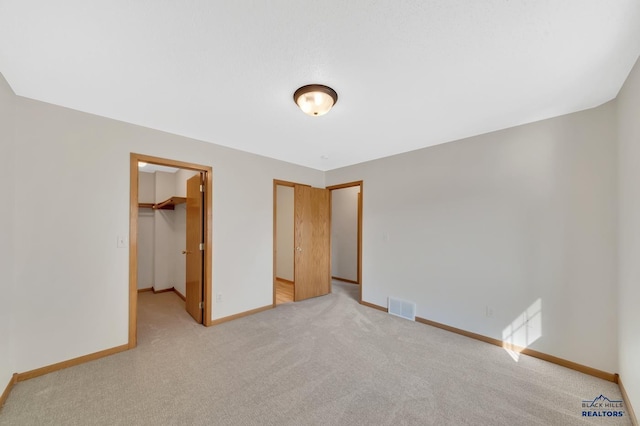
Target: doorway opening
[
  {"x": 305, "y": 221},
  {"x": 294, "y": 257},
  {"x": 193, "y": 188},
  {"x": 346, "y": 233},
  {"x": 283, "y": 213}
]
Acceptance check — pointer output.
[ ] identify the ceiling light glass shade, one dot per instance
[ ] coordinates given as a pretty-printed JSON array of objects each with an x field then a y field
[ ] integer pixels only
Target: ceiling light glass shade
[{"x": 315, "y": 99}]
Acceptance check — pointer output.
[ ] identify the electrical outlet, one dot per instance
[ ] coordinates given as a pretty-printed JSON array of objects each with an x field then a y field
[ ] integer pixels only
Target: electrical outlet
[
  {"x": 122, "y": 241},
  {"x": 219, "y": 297},
  {"x": 489, "y": 312}
]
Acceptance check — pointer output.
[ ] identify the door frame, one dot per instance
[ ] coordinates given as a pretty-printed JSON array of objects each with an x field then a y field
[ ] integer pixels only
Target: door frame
[
  {"x": 359, "y": 184},
  {"x": 133, "y": 236}
]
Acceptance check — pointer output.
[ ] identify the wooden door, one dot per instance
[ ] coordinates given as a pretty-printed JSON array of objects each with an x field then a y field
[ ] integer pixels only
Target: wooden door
[
  {"x": 312, "y": 242},
  {"x": 194, "y": 260}
]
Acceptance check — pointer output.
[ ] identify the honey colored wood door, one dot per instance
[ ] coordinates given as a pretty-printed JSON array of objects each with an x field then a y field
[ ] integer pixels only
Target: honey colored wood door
[
  {"x": 312, "y": 242},
  {"x": 194, "y": 256}
]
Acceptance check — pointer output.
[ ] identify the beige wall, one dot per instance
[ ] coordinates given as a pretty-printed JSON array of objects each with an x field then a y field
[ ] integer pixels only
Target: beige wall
[
  {"x": 146, "y": 187},
  {"x": 165, "y": 244},
  {"x": 8, "y": 176},
  {"x": 165, "y": 186},
  {"x": 180, "y": 178},
  {"x": 76, "y": 259},
  {"x": 628, "y": 105},
  {"x": 146, "y": 244},
  {"x": 506, "y": 220},
  {"x": 146, "y": 224}
]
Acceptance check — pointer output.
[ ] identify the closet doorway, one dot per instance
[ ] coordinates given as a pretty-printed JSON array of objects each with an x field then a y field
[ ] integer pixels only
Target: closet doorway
[
  {"x": 346, "y": 233},
  {"x": 291, "y": 255},
  {"x": 301, "y": 241},
  {"x": 176, "y": 205}
]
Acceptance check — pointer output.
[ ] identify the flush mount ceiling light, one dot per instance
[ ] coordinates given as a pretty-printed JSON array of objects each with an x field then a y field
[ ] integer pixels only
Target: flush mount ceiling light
[{"x": 315, "y": 99}]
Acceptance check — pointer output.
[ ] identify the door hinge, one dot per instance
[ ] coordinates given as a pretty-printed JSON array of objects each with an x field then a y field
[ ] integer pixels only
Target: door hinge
[
  {"x": 201, "y": 305},
  {"x": 201, "y": 246},
  {"x": 201, "y": 188}
]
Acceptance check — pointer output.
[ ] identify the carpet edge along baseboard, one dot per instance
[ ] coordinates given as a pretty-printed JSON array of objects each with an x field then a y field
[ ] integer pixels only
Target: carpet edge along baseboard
[
  {"x": 240, "y": 315},
  {"x": 69, "y": 363},
  {"x": 612, "y": 377},
  {"x": 7, "y": 390},
  {"x": 627, "y": 403}
]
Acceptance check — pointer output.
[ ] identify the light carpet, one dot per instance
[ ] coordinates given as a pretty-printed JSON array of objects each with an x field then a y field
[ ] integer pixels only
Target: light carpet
[{"x": 324, "y": 361}]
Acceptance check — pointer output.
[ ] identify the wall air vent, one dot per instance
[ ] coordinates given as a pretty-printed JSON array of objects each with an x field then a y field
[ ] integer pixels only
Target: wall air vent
[{"x": 402, "y": 308}]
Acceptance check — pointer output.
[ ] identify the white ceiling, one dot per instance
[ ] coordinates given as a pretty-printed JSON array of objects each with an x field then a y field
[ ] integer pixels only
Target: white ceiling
[
  {"x": 152, "y": 168},
  {"x": 409, "y": 74}
]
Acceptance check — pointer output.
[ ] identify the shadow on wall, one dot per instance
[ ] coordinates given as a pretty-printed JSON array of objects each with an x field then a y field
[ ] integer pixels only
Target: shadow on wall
[{"x": 523, "y": 331}]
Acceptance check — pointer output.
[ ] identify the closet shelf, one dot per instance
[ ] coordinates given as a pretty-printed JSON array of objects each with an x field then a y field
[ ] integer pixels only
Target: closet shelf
[{"x": 168, "y": 204}]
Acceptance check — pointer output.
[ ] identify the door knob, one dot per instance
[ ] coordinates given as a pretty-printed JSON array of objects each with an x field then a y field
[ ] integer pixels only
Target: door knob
[{"x": 298, "y": 249}]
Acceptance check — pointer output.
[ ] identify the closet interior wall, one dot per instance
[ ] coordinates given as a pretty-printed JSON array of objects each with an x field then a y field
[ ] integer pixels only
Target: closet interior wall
[
  {"x": 162, "y": 233},
  {"x": 344, "y": 233}
]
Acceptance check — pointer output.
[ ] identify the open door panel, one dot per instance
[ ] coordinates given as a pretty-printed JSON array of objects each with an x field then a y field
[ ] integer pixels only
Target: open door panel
[
  {"x": 312, "y": 242},
  {"x": 194, "y": 254}
]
